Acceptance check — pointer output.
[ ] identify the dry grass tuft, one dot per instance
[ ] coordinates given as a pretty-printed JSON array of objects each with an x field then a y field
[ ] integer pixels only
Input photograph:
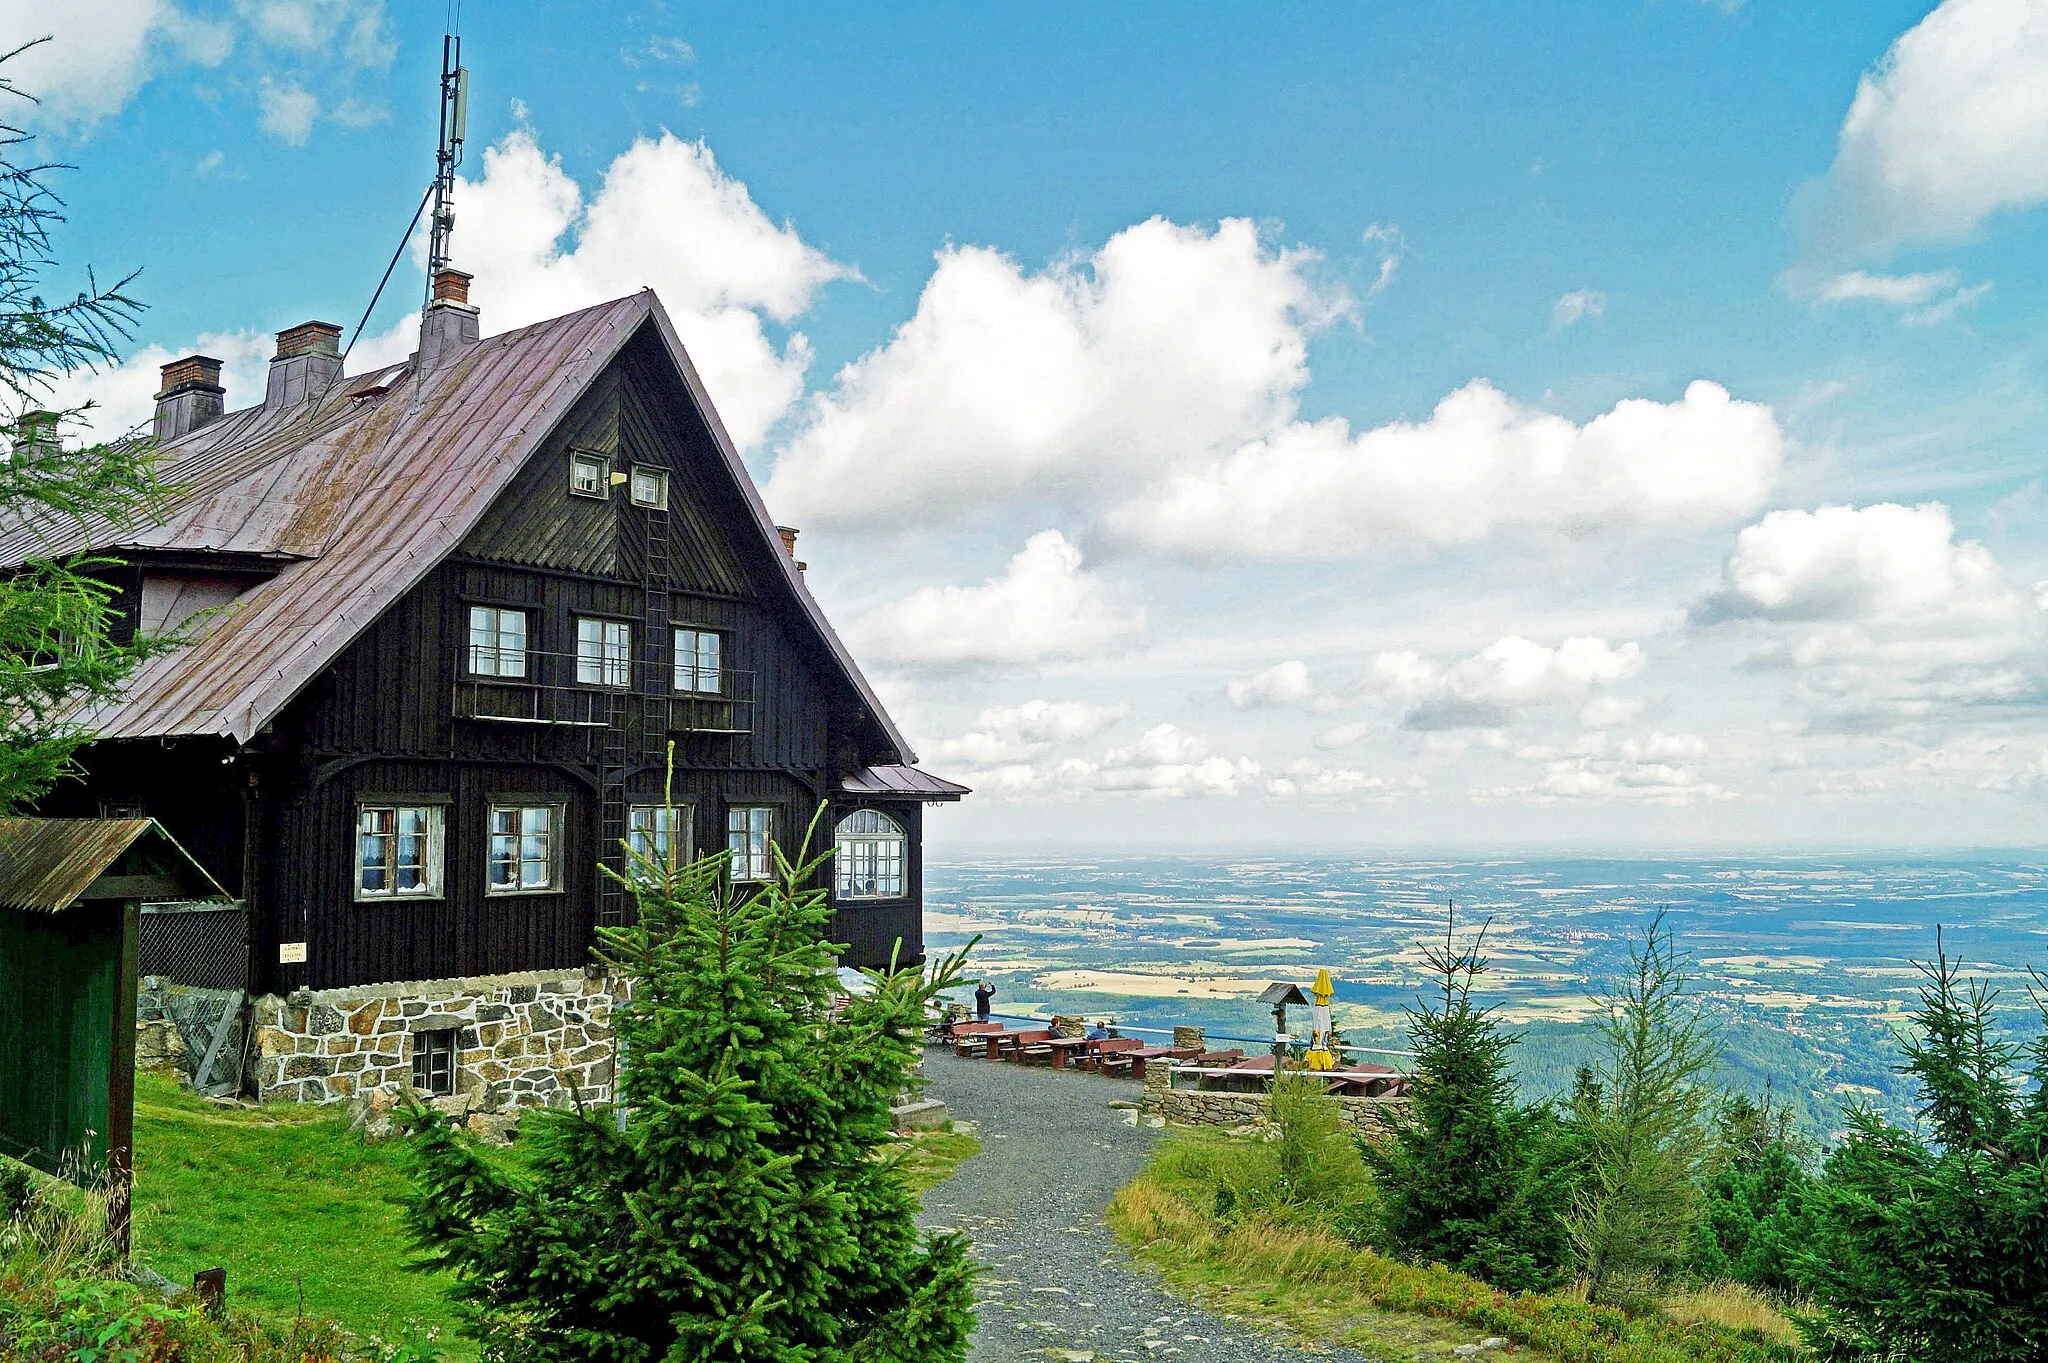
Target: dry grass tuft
[{"x": 1735, "y": 1307}]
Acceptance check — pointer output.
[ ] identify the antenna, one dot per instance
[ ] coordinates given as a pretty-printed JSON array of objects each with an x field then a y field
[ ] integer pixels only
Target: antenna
[{"x": 454, "y": 122}]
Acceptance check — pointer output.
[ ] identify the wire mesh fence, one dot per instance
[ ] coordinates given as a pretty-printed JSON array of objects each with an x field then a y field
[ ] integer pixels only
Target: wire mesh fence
[{"x": 195, "y": 960}]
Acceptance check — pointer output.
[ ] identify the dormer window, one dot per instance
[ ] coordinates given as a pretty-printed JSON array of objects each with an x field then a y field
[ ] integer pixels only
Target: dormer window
[
  {"x": 650, "y": 486},
  {"x": 590, "y": 475}
]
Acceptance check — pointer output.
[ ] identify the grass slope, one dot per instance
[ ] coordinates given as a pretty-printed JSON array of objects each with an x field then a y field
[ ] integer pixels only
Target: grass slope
[
  {"x": 303, "y": 1213},
  {"x": 1309, "y": 1283}
]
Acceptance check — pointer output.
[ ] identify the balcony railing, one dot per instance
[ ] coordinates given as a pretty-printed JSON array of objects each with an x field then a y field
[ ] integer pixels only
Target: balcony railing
[{"x": 550, "y": 695}]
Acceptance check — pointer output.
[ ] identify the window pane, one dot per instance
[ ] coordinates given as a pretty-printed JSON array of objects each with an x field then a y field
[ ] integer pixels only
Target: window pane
[
  {"x": 511, "y": 643},
  {"x": 483, "y": 657}
]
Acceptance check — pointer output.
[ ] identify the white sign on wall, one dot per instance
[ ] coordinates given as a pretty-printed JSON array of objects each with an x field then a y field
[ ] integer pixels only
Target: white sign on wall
[{"x": 291, "y": 953}]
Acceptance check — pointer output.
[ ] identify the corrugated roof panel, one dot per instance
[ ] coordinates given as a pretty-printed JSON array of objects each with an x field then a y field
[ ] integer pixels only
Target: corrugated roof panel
[
  {"x": 45, "y": 864},
  {"x": 902, "y": 781}
]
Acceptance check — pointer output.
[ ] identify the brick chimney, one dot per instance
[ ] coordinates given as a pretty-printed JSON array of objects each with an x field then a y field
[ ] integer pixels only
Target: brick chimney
[
  {"x": 307, "y": 359},
  {"x": 33, "y": 430},
  {"x": 450, "y": 325},
  {"x": 789, "y": 533},
  {"x": 191, "y": 396}
]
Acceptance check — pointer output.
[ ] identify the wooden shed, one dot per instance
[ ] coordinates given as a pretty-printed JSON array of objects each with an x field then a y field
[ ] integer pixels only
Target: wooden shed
[{"x": 70, "y": 897}]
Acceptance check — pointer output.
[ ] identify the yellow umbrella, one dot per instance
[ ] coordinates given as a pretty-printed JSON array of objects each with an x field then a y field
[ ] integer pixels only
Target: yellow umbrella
[{"x": 1320, "y": 1056}]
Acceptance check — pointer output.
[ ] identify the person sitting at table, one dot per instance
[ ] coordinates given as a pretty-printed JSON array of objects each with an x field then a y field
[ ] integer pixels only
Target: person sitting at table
[{"x": 1097, "y": 1030}]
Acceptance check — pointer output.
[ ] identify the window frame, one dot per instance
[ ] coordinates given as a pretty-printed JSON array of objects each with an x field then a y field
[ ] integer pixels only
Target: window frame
[
  {"x": 558, "y": 821},
  {"x": 841, "y": 870},
  {"x": 659, "y": 502},
  {"x": 603, "y": 463},
  {"x": 429, "y": 1045},
  {"x": 471, "y": 650},
  {"x": 677, "y": 632},
  {"x": 434, "y": 866},
  {"x": 766, "y": 852},
  {"x": 606, "y": 665},
  {"x": 683, "y": 818}
]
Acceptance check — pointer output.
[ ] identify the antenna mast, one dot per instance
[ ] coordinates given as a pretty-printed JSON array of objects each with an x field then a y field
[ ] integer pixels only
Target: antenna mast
[{"x": 454, "y": 119}]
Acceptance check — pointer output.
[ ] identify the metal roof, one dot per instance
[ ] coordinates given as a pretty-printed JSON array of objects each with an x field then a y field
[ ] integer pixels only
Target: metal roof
[
  {"x": 354, "y": 498},
  {"x": 46, "y": 864},
  {"x": 902, "y": 781}
]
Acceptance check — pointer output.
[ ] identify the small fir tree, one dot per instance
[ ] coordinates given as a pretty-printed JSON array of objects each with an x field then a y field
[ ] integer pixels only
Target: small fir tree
[
  {"x": 1933, "y": 1244},
  {"x": 1642, "y": 1127},
  {"x": 740, "y": 1203},
  {"x": 58, "y": 651},
  {"x": 1752, "y": 1215},
  {"x": 1469, "y": 1178}
]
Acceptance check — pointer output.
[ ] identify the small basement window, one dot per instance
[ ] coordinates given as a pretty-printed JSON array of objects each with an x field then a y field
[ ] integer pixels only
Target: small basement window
[
  {"x": 590, "y": 475},
  {"x": 433, "y": 1062},
  {"x": 650, "y": 486}
]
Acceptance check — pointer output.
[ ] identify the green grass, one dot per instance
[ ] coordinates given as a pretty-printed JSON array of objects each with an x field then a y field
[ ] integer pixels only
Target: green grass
[
  {"x": 290, "y": 1202},
  {"x": 1303, "y": 1279}
]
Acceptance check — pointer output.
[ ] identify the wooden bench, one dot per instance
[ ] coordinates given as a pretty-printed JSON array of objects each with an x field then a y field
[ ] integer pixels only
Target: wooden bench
[
  {"x": 1099, "y": 1051},
  {"x": 966, "y": 1035},
  {"x": 1131, "y": 1064},
  {"x": 1023, "y": 1044}
]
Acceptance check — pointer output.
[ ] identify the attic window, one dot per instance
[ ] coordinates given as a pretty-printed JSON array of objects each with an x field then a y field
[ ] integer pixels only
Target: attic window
[
  {"x": 590, "y": 476},
  {"x": 650, "y": 486}
]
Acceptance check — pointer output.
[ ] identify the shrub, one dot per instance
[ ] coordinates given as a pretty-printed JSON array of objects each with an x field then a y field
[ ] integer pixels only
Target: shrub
[
  {"x": 737, "y": 1203},
  {"x": 1752, "y": 1216}
]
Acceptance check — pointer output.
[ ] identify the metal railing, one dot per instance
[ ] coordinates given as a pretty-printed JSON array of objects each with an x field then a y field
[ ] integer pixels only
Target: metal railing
[
  {"x": 1120, "y": 1029},
  {"x": 553, "y": 693}
]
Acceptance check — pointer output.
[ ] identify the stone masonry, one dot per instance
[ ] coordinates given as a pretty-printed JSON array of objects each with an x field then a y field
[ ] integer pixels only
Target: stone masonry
[
  {"x": 1203, "y": 1107},
  {"x": 522, "y": 1040}
]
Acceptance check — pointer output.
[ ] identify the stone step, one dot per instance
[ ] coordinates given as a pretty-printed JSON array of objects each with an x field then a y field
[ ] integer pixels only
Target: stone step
[{"x": 923, "y": 1114}]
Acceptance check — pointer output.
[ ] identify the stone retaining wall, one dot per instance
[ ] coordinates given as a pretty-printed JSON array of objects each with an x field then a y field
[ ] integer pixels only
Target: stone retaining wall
[
  {"x": 1203, "y": 1107},
  {"x": 523, "y": 1040}
]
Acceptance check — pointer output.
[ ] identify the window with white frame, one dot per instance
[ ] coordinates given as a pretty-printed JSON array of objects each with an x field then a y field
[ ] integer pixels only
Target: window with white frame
[
  {"x": 604, "y": 652},
  {"x": 699, "y": 661},
  {"x": 398, "y": 851},
  {"x": 870, "y": 856},
  {"x": 590, "y": 475},
  {"x": 749, "y": 832},
  {"x": 525, "y": 848},
  {"x": 650, "y": 486},
  {"x": 659, "y": 836},
  {"x": 497, "y": 642},
  {"x": 433, "y": 1061}
]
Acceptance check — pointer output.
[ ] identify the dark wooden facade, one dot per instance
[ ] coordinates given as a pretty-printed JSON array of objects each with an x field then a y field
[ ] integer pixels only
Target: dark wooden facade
[{"x": 399, "y": 714}]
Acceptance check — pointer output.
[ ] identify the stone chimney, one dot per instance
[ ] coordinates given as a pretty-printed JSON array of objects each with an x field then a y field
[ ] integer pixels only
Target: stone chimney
[
  {"x": 450, "y": 326},
  {"x": 191, "y": 397},
  {"x": 307, "y": 359},
  {"x": 36, "y": 430}
]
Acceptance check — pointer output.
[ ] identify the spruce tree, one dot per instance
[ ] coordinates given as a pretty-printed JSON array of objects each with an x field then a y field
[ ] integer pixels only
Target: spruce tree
[
  {"x": 1644, "y": 1139},
  {"x": 740, "y": 1202},
  {"x": 1469, "y": 1177}
]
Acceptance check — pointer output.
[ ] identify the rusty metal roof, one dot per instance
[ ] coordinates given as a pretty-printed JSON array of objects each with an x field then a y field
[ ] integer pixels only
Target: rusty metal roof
[
  {"x": 900, "y": 781},
  {"x": 46, "y": 864},
  {"x": 354, "y": 498}
]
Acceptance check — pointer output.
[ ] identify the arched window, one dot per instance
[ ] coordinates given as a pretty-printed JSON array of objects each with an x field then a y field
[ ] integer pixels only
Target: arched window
[{"x": 870, "y": 857}]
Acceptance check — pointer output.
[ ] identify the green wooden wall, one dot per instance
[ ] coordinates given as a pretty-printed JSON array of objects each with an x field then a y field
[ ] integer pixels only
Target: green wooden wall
[{"x": 60, "y": 991}]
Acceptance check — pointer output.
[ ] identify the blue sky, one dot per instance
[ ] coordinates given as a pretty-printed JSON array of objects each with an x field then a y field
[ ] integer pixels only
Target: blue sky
[{"x": 1100, "y": 353}]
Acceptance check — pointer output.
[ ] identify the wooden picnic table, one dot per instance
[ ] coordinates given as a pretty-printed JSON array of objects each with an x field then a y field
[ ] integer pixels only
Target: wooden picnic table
[
  {"x": 1061, "y": 1047},
  {"x": 998, "y": 1042}
]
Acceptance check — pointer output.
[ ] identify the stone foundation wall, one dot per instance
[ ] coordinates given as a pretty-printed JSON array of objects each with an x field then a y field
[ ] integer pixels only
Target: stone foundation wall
[
  {"x": 1202, "y": 1107},
  {"x": 523, "y": 1040}
]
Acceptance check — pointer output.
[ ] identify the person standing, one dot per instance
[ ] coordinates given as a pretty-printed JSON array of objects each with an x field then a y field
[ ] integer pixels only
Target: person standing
[{"x": 983, "y": 993}]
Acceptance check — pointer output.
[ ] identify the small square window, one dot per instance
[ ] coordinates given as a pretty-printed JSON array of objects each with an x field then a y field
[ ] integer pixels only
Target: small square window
[
  {"x": 604, "y": 652},
  {"x": 650, "y": 486},
  {"x": 525, "y": 849},
  {"x": 749, "y": 833},
  {"x": 433, "y": 1062},
  {"x": 699, "y": 661},
  {"x": 497, "y": 642},
  {"x": 590, "y": 475},
  {"x": 659, "y": 835},
  {"x": 398, "y": 851}
]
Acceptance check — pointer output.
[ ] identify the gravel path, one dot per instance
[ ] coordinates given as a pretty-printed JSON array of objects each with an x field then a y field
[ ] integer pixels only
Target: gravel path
[{"x": 1058, "y": 1285}]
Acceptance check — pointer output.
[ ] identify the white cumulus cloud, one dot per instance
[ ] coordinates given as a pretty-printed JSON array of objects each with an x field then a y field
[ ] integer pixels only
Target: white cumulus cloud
[
  {"x": 1013, "y": 733},
  {"x": 99, "y": 54},
  {"x": 1486, "y": 689},
  {"x": 1949, "y": 127},
  {"x": 1281, "y": 684},
  {"x": 1882, "y": 562},
  {"x": 1576, "y": 307},
  {"x": 1168, "y": 343},
  {"x": 286, "y": 110},
  {"x": 1043, "y": 606},
  {"x": 1480, "y": 464}
]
